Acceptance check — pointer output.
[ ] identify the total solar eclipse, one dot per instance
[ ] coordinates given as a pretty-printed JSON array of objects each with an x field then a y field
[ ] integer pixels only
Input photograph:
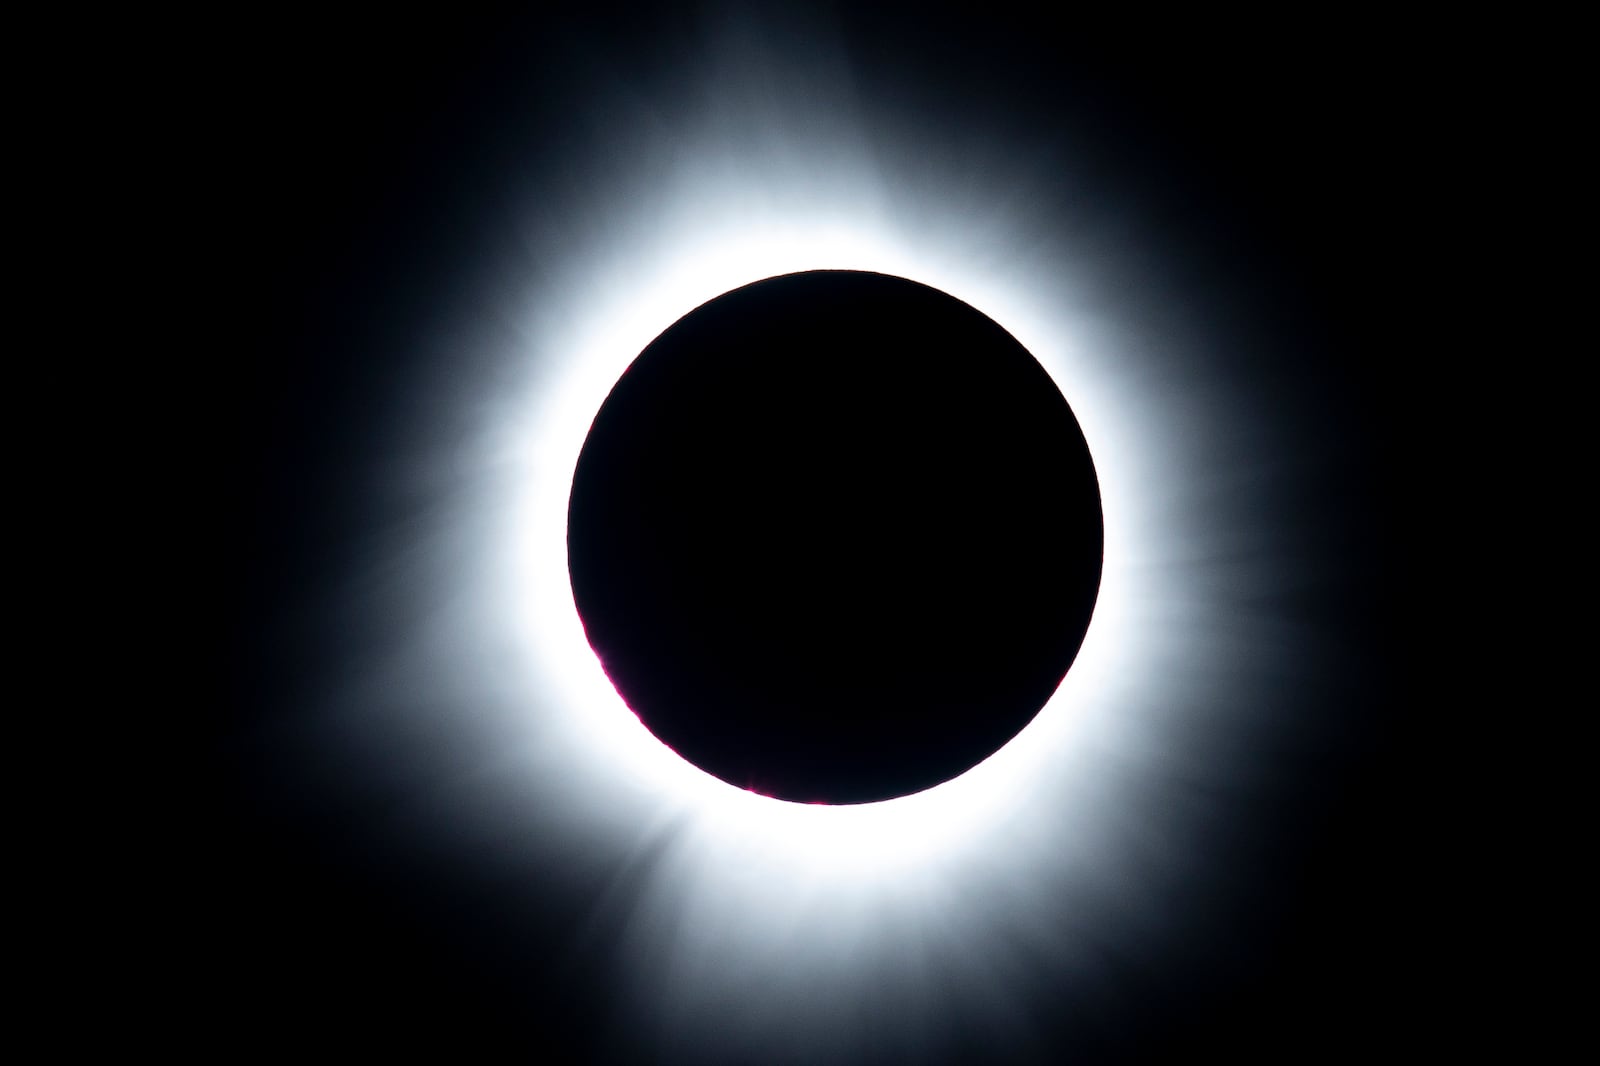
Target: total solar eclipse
[{"x": 835, "y": 537}]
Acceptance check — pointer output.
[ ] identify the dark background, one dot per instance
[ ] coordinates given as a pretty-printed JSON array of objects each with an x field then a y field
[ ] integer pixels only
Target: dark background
[{"x": 347, "y": 161}]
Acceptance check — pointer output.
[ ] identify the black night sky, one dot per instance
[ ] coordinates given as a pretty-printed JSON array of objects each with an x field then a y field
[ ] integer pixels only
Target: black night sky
[{"x": 408, "y": 203}]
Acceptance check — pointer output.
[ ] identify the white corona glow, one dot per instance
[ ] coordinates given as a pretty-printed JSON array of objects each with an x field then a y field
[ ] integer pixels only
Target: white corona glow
[
  {"x": 702, "y": 256},
  {"x": 789, "y": 917}
]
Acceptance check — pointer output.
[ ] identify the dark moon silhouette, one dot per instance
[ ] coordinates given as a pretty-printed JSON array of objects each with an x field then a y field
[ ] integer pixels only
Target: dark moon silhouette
[{"x": 835, "y": 536}]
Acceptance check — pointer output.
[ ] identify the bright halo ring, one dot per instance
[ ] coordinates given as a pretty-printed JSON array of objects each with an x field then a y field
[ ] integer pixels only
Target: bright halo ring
[
  {"x": 1117, "y": 847},
  {"x": 627, "y": 311}
]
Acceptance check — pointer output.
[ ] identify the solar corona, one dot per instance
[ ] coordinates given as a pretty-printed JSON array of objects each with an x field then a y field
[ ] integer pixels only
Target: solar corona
[{"x": 811, "y": 550}]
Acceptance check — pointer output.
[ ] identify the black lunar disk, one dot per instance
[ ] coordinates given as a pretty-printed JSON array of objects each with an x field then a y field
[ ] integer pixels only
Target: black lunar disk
[{"x": 835, "y": 536}]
